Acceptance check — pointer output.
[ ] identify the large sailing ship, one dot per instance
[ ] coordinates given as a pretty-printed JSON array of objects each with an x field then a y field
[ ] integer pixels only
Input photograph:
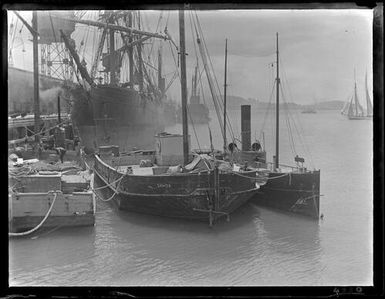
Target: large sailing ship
[
  {"x": 113, "y": 106},
  {"x": 353, "y": 109},
  {"x": 197, "y": 111}
]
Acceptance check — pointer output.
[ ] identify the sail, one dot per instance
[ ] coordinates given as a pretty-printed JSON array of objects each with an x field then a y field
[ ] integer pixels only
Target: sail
[
  {"x": 344, "y": 110},
  {"x": 350, "y": 109},
  {"x": 369, "y": 107},
  {"x": 359, "y": 111}
]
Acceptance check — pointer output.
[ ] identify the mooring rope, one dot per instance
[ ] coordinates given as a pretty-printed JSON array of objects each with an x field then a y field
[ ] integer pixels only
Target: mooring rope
[
  {"x": 113, "y": 195},
  {"x": 41, "y": 223},
  {"x": 108, "y": 185}
]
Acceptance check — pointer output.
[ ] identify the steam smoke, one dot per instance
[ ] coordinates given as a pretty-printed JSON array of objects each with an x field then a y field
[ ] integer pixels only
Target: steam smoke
[
  {"x": 48, "y": 99},
  {"x": 20, "y": 93},
  {"x": 49, "y": 95}
]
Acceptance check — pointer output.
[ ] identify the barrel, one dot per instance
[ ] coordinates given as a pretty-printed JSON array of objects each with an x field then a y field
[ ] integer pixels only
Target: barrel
[
  {"x": 115, "y": 150},
  {"x": 105, "y": 149}
]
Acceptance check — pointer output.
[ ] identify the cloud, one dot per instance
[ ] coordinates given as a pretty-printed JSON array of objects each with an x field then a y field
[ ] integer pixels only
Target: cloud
[{"x": 319, "y": 49}]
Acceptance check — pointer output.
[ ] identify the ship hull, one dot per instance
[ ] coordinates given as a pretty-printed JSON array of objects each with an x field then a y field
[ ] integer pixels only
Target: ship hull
[
  {"x": 188, "y": 196},
  {"x": 197, "y": 114},
  {"x": 115, "y": 115},
  {"x": 293, "y": 192},
  {"x": 359, "y": 117}
]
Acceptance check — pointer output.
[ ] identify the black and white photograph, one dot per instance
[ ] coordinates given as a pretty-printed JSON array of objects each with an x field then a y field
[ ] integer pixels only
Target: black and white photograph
[{"x": 190, "y": 147}]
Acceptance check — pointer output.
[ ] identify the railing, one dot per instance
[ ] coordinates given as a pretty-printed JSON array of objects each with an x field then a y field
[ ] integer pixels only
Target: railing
[
  {"x": 271, "y": 166},
  {"x": 28, "y": 120}
]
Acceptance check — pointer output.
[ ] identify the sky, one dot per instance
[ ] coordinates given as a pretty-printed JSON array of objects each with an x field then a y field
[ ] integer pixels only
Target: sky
[{"x": 319, "y": 50}]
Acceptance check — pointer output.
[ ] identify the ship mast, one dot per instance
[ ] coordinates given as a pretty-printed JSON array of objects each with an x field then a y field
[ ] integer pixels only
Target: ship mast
[
  {"x": 194, "y": 81},
  {"x": 36, "y": 76},
  {"x": 369, "y": 108},
  {"x": 224, "y": 101},
  {"x": 277, "y": 113},
  {"x": 113, "y": 78},
  {"x": 114, "y": 27},
  {"x": 36, "y": 100},
  {"x": 140, "y": 58},
  {"x": 130, "y": 52},
  {"x": 160, "y": 69},
  {"x": 183, "y": 85}
]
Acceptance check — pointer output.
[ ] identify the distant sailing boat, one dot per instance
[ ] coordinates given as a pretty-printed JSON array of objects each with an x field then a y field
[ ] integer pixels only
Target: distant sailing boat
[{"x": 353, "y": 108}]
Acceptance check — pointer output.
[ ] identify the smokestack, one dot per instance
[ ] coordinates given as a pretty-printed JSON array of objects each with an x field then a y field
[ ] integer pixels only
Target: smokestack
[{"x": 245, "y": 127}]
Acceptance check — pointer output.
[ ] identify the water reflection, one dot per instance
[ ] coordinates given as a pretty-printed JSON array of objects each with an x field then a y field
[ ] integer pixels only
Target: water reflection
[
  {"x": 166, "y": 251},
  {"x": 293, "y": 245},
  {"x": 51, "y": 256}
]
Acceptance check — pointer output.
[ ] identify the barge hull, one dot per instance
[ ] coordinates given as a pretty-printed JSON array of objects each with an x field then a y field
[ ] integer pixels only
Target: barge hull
[
  {"x": 295, "y": 192},
  {"x": 189, "y": 196},
  {"x": 27, "y": 210}
]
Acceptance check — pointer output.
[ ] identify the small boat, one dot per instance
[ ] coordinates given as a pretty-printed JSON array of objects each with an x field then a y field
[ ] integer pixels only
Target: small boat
[
  {"x": 353, "y": 109},
  {"x": 289, "y": 188},
  {"x": 171, "y": 181},
  {"x": 309, "y": 110}
]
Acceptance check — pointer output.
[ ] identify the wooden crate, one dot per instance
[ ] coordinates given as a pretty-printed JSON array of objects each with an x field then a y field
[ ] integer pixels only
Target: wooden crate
[
  {"x": 74, "y": 183},
  {"x": 40, "y": 183}
]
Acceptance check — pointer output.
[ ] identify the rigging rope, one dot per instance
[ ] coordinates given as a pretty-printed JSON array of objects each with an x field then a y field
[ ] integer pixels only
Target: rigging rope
[
  {"x": 110, "y": 186},
  {"x": 47, "y": 130},
  {"x": 290, "y": 135},
  {"x": 267, "y": 110},
  {"x": 156, "y": 30},
  {"x": 220, "y": 103},
  {"x": 301, "y": 136}
]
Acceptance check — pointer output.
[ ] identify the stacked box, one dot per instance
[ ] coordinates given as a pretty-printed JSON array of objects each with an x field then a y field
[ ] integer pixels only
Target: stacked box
[
  {"x": 41, "y": 183},
  {"x": 74, "y": 183}
]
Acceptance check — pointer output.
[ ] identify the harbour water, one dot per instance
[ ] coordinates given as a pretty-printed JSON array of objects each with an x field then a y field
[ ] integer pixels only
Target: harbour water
[{"x": 258, "y": 247}]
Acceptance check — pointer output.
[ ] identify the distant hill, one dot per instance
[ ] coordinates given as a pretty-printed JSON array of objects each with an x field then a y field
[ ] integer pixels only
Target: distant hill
[
  {"x": 330, "y": 105},
  {"x": 234, "y": 102}
]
